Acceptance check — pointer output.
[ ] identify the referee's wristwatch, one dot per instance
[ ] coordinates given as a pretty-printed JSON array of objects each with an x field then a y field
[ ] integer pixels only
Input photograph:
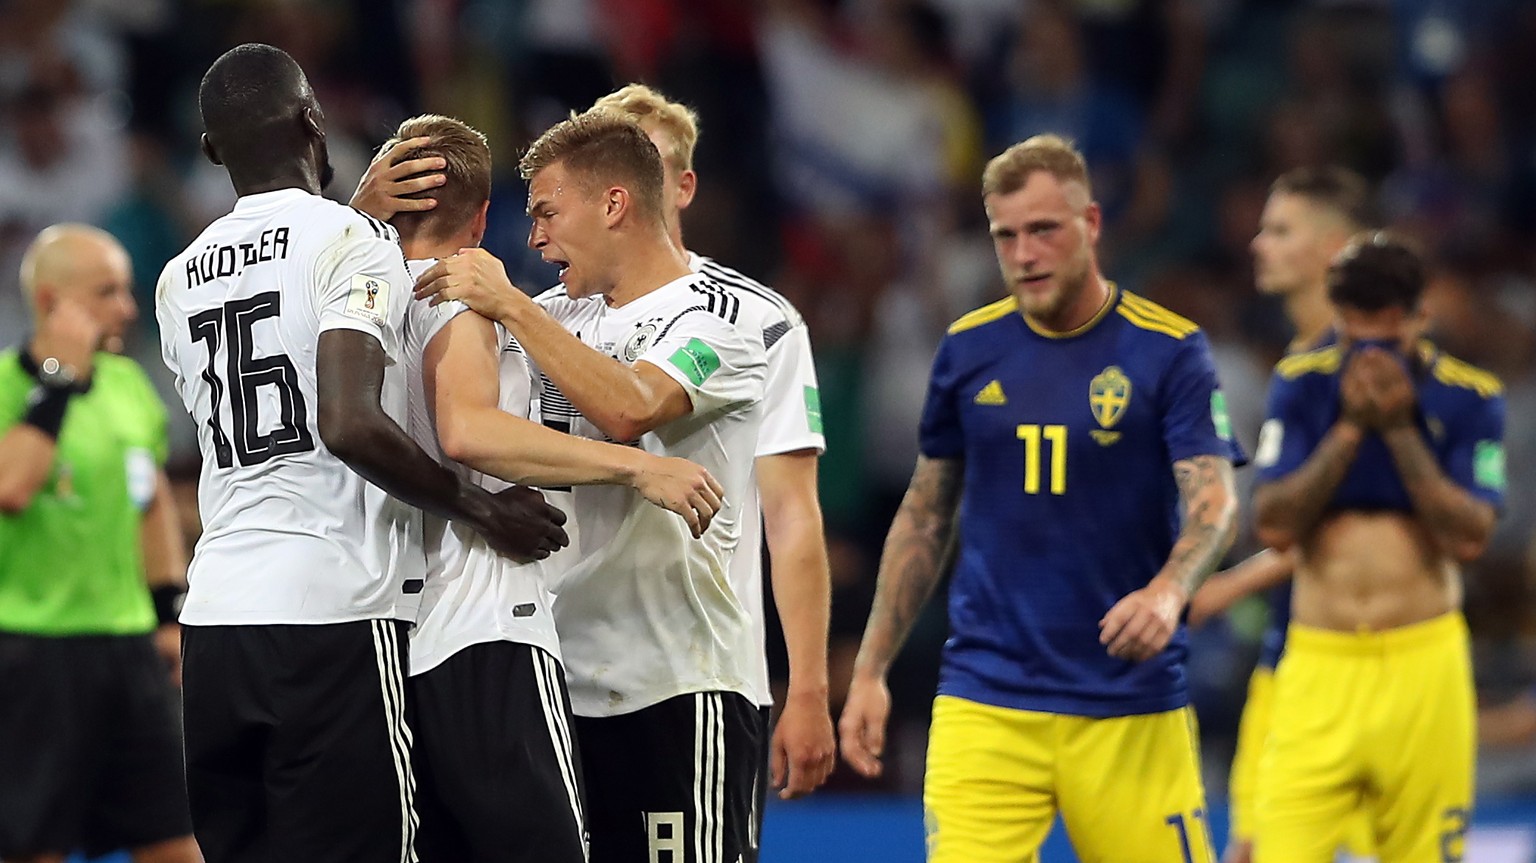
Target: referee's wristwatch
[{"x": 55, "y": 375}]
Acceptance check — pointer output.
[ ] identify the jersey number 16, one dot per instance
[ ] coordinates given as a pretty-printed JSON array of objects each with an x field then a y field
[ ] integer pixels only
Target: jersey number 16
[
  {"x": 1056, "y": 437},
  {"x": 244, "y": 377}
]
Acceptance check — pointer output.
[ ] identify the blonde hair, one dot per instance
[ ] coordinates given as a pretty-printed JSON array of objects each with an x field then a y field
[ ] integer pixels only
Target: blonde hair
[
  {"x": 601, "y": 148},
  {"x": 649, "y": 107},
  {"x": 1009, "y": 170},
  {"x": 468, "y": 173}
]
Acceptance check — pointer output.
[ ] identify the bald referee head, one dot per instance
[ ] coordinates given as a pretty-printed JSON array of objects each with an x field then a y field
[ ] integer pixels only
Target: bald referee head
[{"x": 262, "y": 123}]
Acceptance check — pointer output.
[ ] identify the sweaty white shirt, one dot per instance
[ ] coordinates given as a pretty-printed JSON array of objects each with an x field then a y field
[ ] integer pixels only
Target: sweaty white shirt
[
  {"x": 648, "y": 612},
  {"x": 474, "y": 595},
  {"x": 791, "y": 422},
  {"x": 290, "y": 533}
]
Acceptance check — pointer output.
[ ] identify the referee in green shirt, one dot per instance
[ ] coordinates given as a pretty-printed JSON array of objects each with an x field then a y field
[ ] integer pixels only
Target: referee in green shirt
[{"x": 90, "y": 752}]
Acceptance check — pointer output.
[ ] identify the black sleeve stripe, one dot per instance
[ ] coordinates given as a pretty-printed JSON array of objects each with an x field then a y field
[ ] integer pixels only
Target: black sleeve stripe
[
  {"x": 772, "y": 334},
  {"x": 372, "y": 223},
  {"x": 736, "y": 281}
]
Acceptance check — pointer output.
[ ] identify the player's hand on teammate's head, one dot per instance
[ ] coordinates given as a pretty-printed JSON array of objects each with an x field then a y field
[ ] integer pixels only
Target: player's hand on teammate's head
[
  {"x": 523, "y": 526},
  {"x": 861, "y": 730},
  {"x": 803, "y": 750},
  {"x": 1142, "y": 623},
  {"x": 475, "y": 278},
  {"x": 683, "y": 487},
  {"x": 382, "y": 191}
]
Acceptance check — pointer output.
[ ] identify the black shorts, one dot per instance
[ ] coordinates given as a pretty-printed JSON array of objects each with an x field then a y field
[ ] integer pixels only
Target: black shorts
[
  {"x": 672, "y": 783},
  {"x": 90, "y": 746},
  {"x": 497, "y": 778},
  {"x": 297, "y": 747}
]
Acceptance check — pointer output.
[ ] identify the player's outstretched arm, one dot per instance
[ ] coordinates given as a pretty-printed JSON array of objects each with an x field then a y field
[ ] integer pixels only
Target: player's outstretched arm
[
  {"x": 909, "y": 570},
  {"x": 350, "y": 369},
  {"x": 460, "y": 366},
  {"x": 1262, "y": 571},
  {"x": 391, "y": 179},
  {"x": 803, "y": 750},
  {"x": 1139, "y": 626},
  {"x": 623, "y": 401}
]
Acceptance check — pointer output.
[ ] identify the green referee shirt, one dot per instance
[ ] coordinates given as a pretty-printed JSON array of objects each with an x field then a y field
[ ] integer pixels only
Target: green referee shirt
[{"x": 72, "y": 563}]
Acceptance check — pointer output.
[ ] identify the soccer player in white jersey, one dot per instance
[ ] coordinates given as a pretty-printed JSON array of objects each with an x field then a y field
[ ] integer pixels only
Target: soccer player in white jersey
[
  {"x": 498, "y": 780},
  {"x": 656, "y": 642},
  {"x": 802, "y": 747},
  {"x": 282, "y": 324}
]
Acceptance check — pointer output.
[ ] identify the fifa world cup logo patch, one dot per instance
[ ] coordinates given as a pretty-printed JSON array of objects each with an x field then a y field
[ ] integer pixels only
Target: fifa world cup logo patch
[
  {"x": 1109, "y": 394},
  {"x": 372, "y": 289}
]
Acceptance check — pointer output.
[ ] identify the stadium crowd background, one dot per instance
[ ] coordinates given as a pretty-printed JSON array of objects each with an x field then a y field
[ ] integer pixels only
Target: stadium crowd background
[{"x": 841, "y": 149}]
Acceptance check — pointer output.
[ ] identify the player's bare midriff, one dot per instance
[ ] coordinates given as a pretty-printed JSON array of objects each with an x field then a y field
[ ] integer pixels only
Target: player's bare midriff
[{"x": 1371, "y": 571}]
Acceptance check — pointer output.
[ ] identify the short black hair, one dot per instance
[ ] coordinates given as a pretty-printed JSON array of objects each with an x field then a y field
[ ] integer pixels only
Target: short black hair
[
  {"x": 1375, "y": 271},
  {"x": 250, "y": 100},
  {"x": 1334, "y": 188}
]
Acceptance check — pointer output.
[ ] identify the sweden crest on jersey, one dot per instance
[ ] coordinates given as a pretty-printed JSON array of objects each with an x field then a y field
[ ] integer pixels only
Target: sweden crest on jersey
[{"x": 1109, "y": 394}]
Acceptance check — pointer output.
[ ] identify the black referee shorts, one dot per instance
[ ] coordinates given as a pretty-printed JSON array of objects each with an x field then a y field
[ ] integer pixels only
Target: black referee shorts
[
  {"x": 297, "y": 747},
  {"x": 498, "y": 780},
  {"x": 90, "y": 746},
  {"x": 672, "y": 783}
]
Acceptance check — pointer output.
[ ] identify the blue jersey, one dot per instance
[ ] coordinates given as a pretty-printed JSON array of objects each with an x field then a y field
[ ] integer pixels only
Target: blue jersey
[
  {"x": 1069, "y": 502},
  {"x": 1460, "y": 415}
]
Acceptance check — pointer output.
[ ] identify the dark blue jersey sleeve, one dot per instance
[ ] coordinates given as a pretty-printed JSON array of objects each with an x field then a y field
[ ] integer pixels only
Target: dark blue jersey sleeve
[
  {"x": 1195, "y": 419},
  {"x": 940, "y": 434},
  {"x": 1289, "y": 435},
  {"x": 1475, "y": 452}
]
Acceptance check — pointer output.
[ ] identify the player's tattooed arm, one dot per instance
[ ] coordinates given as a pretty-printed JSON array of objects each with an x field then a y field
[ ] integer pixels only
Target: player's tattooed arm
[
  {"x": 1460, "y": 523},
  {"x": 1141, "y": 624},
  {"x": 1209, "y": 495},
  {"x": 911, "y": 564},
  {"x": 1286, "y": 510},
  {"x": 916, "y": 551}
]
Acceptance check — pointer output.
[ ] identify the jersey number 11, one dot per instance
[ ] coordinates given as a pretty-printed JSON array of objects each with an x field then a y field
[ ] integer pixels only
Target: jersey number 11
[{"x": 1056, "y": 436}]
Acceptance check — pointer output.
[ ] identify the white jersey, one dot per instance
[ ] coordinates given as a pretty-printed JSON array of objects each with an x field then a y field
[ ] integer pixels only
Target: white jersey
[
  {"x": 290, "y": 533},
  {"x": 791, "y": 422},
  {"x": 473, "y": 595},
  {"x": 648, "y": 612}
]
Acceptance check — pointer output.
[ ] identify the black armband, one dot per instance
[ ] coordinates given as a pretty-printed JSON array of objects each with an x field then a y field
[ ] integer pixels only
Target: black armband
[
  {"x": 47, "y": 408},
  {"x": 168, "y": 599}
]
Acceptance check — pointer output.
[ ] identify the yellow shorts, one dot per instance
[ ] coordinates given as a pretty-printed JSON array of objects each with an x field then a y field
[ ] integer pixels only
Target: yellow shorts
[
  {"x": 1382, "y": 722},
  {"x": 1252, "y": 734},
  {"x": 1128, "y": 788}
]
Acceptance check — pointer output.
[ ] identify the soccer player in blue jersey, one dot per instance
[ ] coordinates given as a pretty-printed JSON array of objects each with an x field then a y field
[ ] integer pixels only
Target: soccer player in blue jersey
[
  {"x": 1076, "y": 435},
  {"x": 1309, "y": 217},
  {"x": 1382, "y": 466}
]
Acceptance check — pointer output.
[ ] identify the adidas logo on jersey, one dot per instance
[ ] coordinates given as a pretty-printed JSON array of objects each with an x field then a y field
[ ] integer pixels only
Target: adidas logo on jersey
[{"x": 991, "y": 394}]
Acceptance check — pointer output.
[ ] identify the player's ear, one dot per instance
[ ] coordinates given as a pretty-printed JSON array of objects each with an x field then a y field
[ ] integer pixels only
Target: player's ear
[
  {"x": 477, "y": 226},
  {"x": 209, "y": 152},
  {"x": 1094, "y": 216},
  {"x": 615, "y": 205},
  {"x": 687, "y": 185},
  {"x": 313, "y": 122}
]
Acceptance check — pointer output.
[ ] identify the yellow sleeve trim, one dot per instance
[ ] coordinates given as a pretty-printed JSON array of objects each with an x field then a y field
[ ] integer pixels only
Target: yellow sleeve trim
[
  {"x": 985, "y": 315},
  {"x": 1322, "y": 361},
  {"x": 1457, "y": 373},
  {"x": 1150, "y": 316}
]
